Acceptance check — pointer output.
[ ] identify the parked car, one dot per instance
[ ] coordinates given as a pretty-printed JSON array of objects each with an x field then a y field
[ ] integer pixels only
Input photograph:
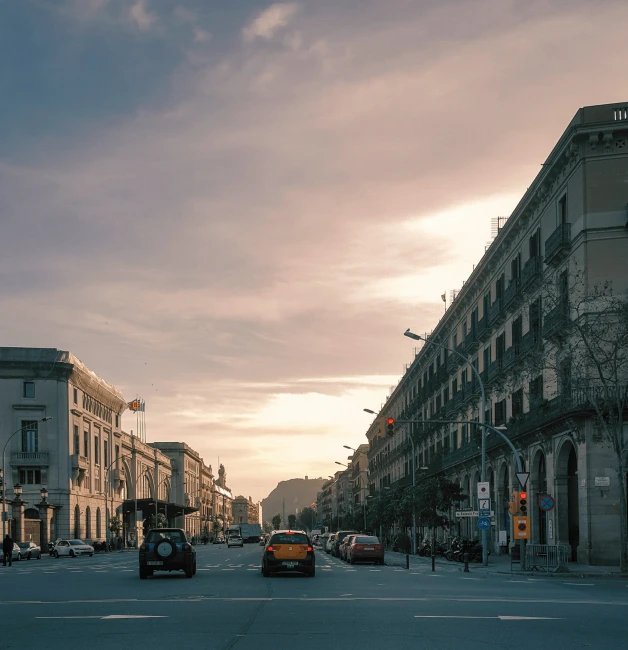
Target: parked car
[
  {"x": 166, "y": 549},
  {"x": 344, "y": 545},
  {"x": 330, "y": 543},
  {"x": 72, "y": 548},
  {"x": 235, "y": 541},
  {"x": 288, "y": 550},
  {"x": 29, "y": 550},
  {"x": 219, "y": 539},
  {"x": 340, "y": 535},
  {"x": 322, "y": 540},
  {"x": 365, "y": 548}
]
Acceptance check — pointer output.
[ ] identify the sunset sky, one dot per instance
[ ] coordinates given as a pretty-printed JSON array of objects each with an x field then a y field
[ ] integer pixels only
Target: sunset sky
[{"x": 235, "y": 209}]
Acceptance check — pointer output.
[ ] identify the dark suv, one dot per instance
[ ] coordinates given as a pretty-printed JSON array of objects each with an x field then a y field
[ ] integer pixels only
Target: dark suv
[
  {"x": 340, "y": 535},
  {"x": 166, "y": 549}
]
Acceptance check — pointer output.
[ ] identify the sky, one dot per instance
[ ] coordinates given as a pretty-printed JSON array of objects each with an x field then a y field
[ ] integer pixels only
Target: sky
[{"x": 235, "y": 209}]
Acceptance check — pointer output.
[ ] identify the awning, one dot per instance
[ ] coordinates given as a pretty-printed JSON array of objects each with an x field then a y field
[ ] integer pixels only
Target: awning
[{"x": 147, "y": 506}]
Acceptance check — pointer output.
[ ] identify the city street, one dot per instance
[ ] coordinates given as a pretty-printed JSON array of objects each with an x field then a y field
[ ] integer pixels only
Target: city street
[{"x": 100, "y": 602}]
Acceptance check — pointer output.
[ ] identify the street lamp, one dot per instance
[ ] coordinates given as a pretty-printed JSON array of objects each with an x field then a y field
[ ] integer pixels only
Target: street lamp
[
  {"x": 45, "y": 419},
  {"x": 347, "y": 447},
  {"x": 416, "y": 337},
  {"x": 44, "y": 493},
  {"x": 17, "y": 490}
]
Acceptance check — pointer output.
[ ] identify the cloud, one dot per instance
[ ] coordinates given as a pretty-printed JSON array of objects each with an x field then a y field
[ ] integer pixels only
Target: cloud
[
  {"x": 269, "y": 21},
  {"x": 141, "y": 16}
]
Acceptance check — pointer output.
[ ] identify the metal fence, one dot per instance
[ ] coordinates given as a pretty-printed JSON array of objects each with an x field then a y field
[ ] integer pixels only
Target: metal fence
[{"x": 552, "y": 558}]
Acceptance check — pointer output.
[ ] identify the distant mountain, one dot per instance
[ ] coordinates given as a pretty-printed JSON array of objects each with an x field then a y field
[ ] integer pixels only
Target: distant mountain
[{"x": 297, "y": 493}]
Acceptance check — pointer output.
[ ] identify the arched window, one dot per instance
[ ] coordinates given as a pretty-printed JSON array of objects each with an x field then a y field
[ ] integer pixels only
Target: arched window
[
  {"x": 77, "y": 522},
  {"x": 145, "y": 487},
  {"x": 88, "y": 523},
  {"x": 97, "y": 523}
]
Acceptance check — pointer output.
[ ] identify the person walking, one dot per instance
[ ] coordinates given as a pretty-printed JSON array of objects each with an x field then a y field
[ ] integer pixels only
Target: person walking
[{"x": 7, "y": 550}]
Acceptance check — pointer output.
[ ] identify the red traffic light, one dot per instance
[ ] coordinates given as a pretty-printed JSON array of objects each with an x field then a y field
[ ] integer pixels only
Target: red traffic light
[
  {"x": 390, "y": 421},
  {"x": 523, "y": 495}
]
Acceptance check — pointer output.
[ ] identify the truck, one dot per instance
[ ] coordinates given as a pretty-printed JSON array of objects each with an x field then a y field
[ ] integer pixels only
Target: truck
[{"x": 250, "y": 533}]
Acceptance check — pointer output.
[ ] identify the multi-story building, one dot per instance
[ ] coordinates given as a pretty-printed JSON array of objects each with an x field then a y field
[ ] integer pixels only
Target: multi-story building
[
  {"x": 358, "y": 468},
  {"x": 571, "y": 225},
  {"x": 222, "y": 499},
  {"x": 244, "y": 511}
]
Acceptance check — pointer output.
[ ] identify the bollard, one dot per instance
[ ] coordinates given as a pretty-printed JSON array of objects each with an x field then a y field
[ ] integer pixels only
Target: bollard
[
  {"x": 407, "y": 560},
  {"x": 466, "y": 563},
  {"x": 433, "y": 561}
]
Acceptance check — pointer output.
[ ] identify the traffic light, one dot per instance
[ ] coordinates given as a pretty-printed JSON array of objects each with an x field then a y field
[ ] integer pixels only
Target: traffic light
[
  {"x": 512, "y": 506},
  {"x": 390, "y": 427},
  {"x": 522, "y": 503}
]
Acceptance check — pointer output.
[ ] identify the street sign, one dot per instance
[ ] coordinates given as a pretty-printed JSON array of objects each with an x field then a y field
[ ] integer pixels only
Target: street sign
[
  {"x": 546, "y": 502},
  {"x": 471, "y": 513},
  {"x": 523, "y": 477},
  {"x": 484, "y": 489},
  {"x": 484, "y": 504},
  {"x": 484, "y": 523}
]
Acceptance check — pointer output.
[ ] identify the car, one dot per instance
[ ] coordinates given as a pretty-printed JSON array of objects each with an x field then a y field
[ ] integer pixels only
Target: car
[
  {"x": 166, "y": 549},
  {"x": 344, "y": 545},
  {"x": 235, "y": 541},
  {"x": 329, "y": 543},
  {"x": 219, "y": 539},
  {"x": 339, "y": 537},
  {"x": 16, "y": 554},
  {"x": 29, "y": 550},
  {"x": 72, "y": 547},
  {"x": 366, "y": 548},
  {"x": 288, "y": 550}
]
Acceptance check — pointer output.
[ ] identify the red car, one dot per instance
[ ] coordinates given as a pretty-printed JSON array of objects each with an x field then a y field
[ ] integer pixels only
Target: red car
[
  {"x": 344, "y": 547},
  {"x": 365, "y": 548}
]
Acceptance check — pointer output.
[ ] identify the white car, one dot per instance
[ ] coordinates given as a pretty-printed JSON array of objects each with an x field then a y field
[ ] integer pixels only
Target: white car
[
  {"x": 235, "y": 541},
  {"x": 72, "y": 547}
]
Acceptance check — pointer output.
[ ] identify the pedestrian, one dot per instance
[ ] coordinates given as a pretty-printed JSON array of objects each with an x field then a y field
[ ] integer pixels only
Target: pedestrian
[{"x": 7, "y": 549}]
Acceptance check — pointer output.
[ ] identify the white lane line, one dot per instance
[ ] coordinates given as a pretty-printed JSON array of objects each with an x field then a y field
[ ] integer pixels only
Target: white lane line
[
  {"x": 580, "y": 584},
  {"x": 501, "y": 618},
  {"x": 470, "y": 578},
  {"x": 227, "y": 569},
  {"x": 105, "y": 618}
]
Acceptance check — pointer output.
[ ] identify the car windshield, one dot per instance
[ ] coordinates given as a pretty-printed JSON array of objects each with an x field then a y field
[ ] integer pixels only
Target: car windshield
[
  {"x": 289, "y": 538},
  {"x": 156, "y": 536},
  {"x": 24, "y": 544}
]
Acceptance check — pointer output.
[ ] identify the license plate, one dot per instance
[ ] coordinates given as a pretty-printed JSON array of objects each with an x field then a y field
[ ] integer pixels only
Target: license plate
[
  {"x": 290, "y": 565},
  {"x": 154, "y": 563},
  {"x": 369, "y": 549}
]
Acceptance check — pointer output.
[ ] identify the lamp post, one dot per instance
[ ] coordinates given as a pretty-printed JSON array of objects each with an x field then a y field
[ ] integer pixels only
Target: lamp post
[
  {"x": 4, "y": 516},
  {"x": 416, "y": 337}
]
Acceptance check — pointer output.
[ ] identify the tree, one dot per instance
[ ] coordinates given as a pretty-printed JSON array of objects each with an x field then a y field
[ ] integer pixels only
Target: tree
[
  {"x": 267, "y": 527},
  {"x": 276, "y": 522},
  {"x": 115, "y": 525},
  {"x": 586, "y": 361},
  {"x": 161, "y": 521},
  {"x": 307, "y": 518},
  {"x": 292, "y": 521},
  {"x": 432, "y": 500}
]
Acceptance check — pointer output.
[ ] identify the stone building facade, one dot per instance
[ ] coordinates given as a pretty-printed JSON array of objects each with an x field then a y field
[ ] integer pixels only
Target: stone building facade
[{"x": 570, "y": 224}]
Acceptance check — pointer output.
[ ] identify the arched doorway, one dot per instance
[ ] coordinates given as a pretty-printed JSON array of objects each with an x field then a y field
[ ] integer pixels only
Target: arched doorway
[
  {"x": 77, "y": 522},
  {"x": 98, "y": 532},
  {"x": 539, "y": 485},
  {"x": 32, "y": 526},
  {"x": 567, "y": 498},
  {"x": 88, "y": 523}
]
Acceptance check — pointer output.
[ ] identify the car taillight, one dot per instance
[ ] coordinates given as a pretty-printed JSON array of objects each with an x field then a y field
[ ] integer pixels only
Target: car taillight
[
  {"x": 270, "y": 549},
  {"x": 356, "y": 546},
  {"x": 306, "y": 548},
  {"x": 378, "y": 547},
  {"x": 309, "y": 549}
]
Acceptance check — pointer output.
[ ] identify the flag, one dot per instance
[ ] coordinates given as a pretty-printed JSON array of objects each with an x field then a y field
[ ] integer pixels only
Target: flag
[
  {"x": 134, "y": 405},
  {"x": 142, "y": 406},
  {"x": 444, "y": 297}
]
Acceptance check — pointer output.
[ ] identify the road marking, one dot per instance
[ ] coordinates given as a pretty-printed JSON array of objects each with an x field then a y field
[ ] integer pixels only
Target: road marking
[
  {"x": 470, "y": 578},
  {"x": 580, "y": 584},
  {"x": 104, "y": 618},
  {"x": 501, "y": 618},
  {"x": 228, "y": 569}
]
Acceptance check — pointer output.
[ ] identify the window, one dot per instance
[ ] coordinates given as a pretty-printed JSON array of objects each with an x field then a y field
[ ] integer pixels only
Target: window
[
  {"x": 117, "y": 421},
  {"x": 486, "y": 354},
  {"x": 534, "y": 244},
  {"x": 29, "y": 389},
  {"x": 500, "y": 412},
  {"x": 535, "y": 319},
  {"x": 536, "y": 391},
  {"x": 86, "y": 443},
  {"x": 30, "y": 436},
  {"x": 500, "y": 346},
  {"x": 105, "y": 452},
  {"x": 499, "y": 286},
  {"x": 96, "y": 450},
  {"x": 562, "y": 209},
  {"x": 30, "y": 476},
  {"x": 75, "y": 393},
  {"x": 515, "y": 267},
  {"x": 517, "y": 403},
  {"x": 517, "y": 328},
  {"x": 77, "y": 441}
]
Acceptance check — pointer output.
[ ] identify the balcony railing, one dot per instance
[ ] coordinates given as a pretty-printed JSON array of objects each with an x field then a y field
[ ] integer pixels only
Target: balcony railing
[
  {"x": 471, "y": 390},
  {"x": 558, "y": 244},
  {"x": 556, "y": 321},
  {"x": 35, "y": 458},
  {"x": 494, "y": 370},
  {"x": 510, "y": 355},
  {"x": 482, "y": 329},
  {"x": 511, "y": 294},
  {"x": 495, "y": 312},
  {"x": 471, "y": 341},
  {"x": 532, "y": 271}
]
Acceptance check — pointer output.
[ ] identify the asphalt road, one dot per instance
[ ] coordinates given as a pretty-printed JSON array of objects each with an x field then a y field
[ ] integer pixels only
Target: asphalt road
[{"x": 100, "y": 602}]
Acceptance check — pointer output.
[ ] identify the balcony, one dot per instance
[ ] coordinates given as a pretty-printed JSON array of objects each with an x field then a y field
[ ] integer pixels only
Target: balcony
[
  {"x": 470, "y": 342},
  {"x": 30, "y": 458},
  {"x": 494, "y": 370},
  {"x": 495, "y": 312},
  {"x": 482, "y": 329},
  {"x": 512, "y": 293},
  {"x": 531, "y": 272},
  {"x": 510, "y": 356},
  {"x": 555, "y": 323},
  {"x": 558, "y": 244},
  {"x": 80, "y": 462},
  {"x": 471, "y": 390}
]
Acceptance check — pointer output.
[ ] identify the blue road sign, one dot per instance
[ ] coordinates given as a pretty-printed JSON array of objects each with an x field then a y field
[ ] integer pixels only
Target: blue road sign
[
  {"x": 546, "y": 502},
  {"x": 484, "y": 523}
]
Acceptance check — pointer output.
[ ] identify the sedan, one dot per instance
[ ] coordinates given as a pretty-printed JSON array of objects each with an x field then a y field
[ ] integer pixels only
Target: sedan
[
  {"x": 73, "y": 548},
  {"x": 366, "y": 548},
  {"x": 29, "y": 550}
]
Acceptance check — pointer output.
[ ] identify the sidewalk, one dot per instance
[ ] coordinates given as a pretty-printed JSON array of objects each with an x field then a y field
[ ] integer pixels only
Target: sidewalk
[{"x": 500, "y": 564}]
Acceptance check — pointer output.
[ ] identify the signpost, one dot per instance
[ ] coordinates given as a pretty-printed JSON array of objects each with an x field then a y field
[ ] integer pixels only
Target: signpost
[{"x": 546, "y": 502}]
